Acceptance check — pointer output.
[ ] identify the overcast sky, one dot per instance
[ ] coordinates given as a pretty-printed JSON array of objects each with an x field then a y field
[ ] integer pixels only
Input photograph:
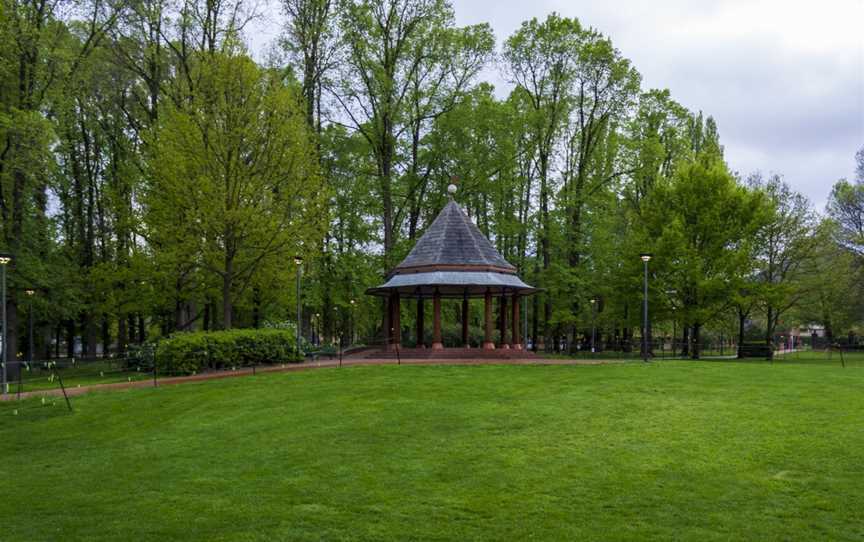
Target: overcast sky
[{"x": 783, "y": 78}]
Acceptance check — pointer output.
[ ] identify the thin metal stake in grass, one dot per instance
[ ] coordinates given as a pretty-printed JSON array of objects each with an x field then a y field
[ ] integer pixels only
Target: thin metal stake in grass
[
  {"x": 398, "y": 358},
  {"x": 62, "y": 387}
]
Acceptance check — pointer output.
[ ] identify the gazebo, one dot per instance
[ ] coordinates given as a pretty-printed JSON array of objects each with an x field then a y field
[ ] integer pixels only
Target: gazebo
[{"x": 453, "y": 259}]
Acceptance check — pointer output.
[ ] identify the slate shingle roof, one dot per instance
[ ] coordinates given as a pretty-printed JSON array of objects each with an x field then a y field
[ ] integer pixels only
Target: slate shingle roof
[
  {"x": 453, "y": 284},
  {"x": 453, "y": 240}
]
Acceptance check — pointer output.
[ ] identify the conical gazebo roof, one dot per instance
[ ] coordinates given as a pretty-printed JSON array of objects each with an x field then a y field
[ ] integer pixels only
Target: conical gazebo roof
[
  {"x": 452, "y": 240},
  {"x": 454, "y": 259}
]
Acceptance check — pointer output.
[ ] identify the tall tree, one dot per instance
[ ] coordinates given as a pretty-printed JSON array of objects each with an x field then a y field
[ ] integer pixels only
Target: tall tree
[
  {"x": 406, "y": 63},
  {"x": 785, "y": 246},
  {"x": 702, "y": 223},
  {"x": 540, "y": 59},
  {"x": 833, "y": 286},
  {"x": 846, "y": 208},
  {"x": 311, "y": 41},
  {"x": 39, "y": 59},
  {"x": 234, "y": 175},
  {"x": 605, "y": 88}
]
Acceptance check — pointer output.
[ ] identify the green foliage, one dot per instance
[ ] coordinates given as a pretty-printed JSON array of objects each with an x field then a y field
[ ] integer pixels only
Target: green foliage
[
  {"x": 235, "y": 188},
  {"x": 685, "y": 451},
  {"x": 188, "y": 353},
  {"x": 833, "y": 293},
  {"x": 785, "y": 246},
  {"x": 701, "y": 225},
  {"x": 155, "y": 178},
  {"x": 846, "y": 208}
]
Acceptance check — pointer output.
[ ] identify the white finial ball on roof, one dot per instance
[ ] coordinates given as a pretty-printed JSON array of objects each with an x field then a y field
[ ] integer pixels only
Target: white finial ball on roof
[{"x": 451, "y": 189}]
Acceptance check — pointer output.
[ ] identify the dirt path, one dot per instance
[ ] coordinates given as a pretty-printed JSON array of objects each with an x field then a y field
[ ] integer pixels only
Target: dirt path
[{"x": 248, "y": 371}]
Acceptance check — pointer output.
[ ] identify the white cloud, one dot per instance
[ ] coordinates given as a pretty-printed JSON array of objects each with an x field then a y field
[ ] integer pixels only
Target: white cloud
[{"x": 783, "y": 78}]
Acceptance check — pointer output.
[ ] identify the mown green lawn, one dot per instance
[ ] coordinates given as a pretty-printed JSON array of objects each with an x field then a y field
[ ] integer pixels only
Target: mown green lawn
[
  {"x": 37, "y": 376},
  {"x": 676, "y": 450}
]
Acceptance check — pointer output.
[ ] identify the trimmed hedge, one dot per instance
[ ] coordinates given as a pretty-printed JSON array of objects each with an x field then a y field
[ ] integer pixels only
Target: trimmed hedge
[{"x": 187, "y": 353}]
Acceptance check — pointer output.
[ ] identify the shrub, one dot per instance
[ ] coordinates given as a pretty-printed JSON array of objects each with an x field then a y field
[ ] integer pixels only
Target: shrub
[{"x": 187, "y": 353}]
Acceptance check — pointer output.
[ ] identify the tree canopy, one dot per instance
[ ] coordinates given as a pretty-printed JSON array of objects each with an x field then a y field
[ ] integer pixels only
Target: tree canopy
[{"x": 155, "y": 178}]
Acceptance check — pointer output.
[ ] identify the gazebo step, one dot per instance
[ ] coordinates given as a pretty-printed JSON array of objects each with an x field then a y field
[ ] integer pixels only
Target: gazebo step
[{"x": 449, "y": 353}]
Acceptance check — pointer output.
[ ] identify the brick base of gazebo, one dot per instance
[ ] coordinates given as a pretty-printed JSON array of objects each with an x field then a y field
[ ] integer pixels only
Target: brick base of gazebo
[{"x": 455, "y": 353}]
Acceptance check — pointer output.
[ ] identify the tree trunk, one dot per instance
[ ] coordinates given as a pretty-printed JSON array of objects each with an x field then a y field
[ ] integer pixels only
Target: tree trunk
[
  {"x": 58, "y": 331},
  {"x": 130, "y": 325},
  {"x": 179, "y": 320},
  {"x": 70, "y": 338},
  {"x": 697, "y": 328},
  {"x": 11, "y": 349},
  {"x": 742, "y": 318},
  {"x": 685, "y": 341},
  {"x": 122, "y": 336},
  {"x": 544, "y": 241},
  {"x": 627, "y": 335},
  {"x": 106, "y": 336},
  {"x": 142, "y": 330},
  {"x": 769, "y": 326},
  {"x": 256, "y": 307},
  {"x": 227, "y": 280},
  {"x": 386, "y": 166},
  {"x": 88, "y": 327}
]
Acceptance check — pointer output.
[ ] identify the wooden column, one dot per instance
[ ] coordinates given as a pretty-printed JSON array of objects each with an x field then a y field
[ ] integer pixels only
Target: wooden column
[
  {"x": 503, "y": 310},
  {"x": 396, "y": 325},
  {"x": 465, "y": 321},
  {"x": 420, "y": 324},
  {"x": 388, "y": 317},
  {"x": 436, "y": 337},
  {"x": 487, "y": 324},
  {"x": 515, "y": 336}
]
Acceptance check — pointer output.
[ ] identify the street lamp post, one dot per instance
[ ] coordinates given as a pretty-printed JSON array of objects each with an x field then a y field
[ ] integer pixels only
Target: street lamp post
[
  {"x": 351, "y": 323},
  {"x": 674, "y": 330},
  {"x": 4, "y": 261},
  {"x": 298, "y": 260},
  {"x": 593, "y": 322},
  {"x": 30, "y": 292},
  {"x": 338, "y": 324},
  {"x": 646, "y": 256}
]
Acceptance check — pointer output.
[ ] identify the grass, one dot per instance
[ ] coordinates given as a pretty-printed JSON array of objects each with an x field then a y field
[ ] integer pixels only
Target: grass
[
  {"x": 38, "y": 377},
  {"x": 823, "y": 357},
  {"x": 675, "y": 450}
]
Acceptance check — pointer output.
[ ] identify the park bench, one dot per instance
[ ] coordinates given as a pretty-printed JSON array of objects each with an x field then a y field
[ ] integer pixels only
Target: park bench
[
  {"x": 755, "y": 350},
  {"x": 327, "y": 351}
]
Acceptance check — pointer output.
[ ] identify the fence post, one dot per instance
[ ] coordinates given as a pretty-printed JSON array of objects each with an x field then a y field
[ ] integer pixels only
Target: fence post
[
  {"x": 398, "y": 358},
  {"x": 20, "y": 383}
]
